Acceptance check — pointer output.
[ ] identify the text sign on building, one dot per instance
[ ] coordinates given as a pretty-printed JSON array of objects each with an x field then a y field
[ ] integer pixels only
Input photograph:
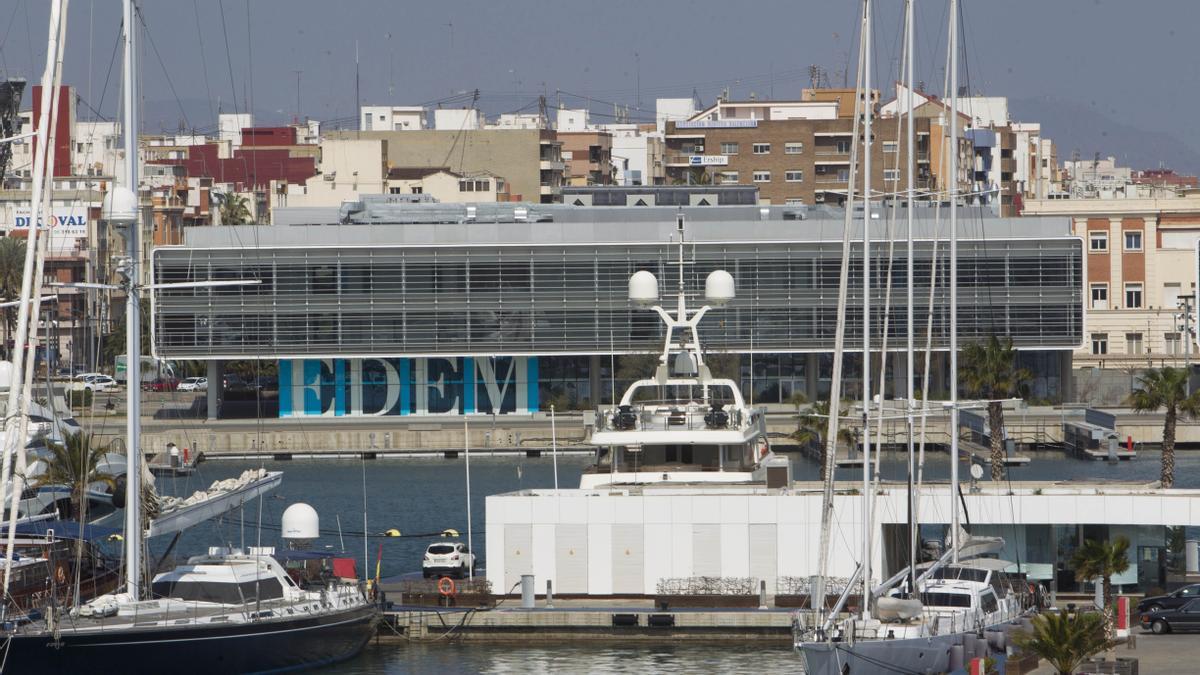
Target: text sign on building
[
  {"x": 717, "y": 124},
  {"x": 708, "y": 160},
  {"x": 407, "y": 386},
  {"x": 69, "y": 222}
]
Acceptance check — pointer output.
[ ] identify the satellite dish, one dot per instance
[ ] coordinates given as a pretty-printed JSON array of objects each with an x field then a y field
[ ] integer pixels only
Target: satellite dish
[
  {"x": 300, "y": 523},
  {"x": 976, "y": 471},
  {"x": 643, "y": 288},
  {"x": 120, "y": 205},
  {"x": 719, "y": 287}
]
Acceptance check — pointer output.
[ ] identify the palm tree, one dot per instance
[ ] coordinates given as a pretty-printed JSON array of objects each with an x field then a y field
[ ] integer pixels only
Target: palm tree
[
  {"x": 1166, "y": 389},
  {"x": 233, "y": 208},
  {"x": 811, "y": 429},
  {"x": 990, "y": 372},
  {"x": 74, "y": 463},
  {"x": 12, "y": 266},
  {"x": 1063, "y": 639},
  {"x": 1103, "y": 559}
]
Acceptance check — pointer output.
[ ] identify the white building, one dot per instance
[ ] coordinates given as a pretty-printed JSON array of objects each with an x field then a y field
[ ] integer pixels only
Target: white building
[
  {"x": 446, "y": 186},
  {"x": 348, "y": 168},
  {"x": 572, "y": 119},
  {"x": 637, "y": 154},
  {"x": 518, "y": 121},
  {"x": 230, "y": 125},
  {"x": 672, "y": 110},
  {"x": 391, "y": 118},
  {"x": 457, "y": 119},
  {"x": 626, "y": 539}
]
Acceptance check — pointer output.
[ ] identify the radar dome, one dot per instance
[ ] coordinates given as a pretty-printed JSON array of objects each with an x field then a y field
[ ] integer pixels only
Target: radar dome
[
  {"x": 300, "y": 521},
  {"x": 643, "y": 288},
  {"x": 119, "y": 205},
  {"x": 718, "y": 287}
]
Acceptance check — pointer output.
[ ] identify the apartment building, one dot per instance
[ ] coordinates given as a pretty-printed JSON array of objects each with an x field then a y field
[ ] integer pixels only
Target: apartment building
[
  {"x": 795, "y": 152},
  {"x": 1141, "y": 267},
  {"x": 447, "y": 186}
]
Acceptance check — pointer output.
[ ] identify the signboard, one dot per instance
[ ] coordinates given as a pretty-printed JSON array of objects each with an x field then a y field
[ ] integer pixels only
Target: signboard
[
  {"x": 69, "y": 221},
  {"x": 407, "y": 386},
  {"x": 708, "y": 160},
  {"x": 717, "y": 124}
]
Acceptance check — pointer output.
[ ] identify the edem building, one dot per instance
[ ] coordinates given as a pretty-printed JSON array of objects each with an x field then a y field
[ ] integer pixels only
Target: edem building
[{"x": 438, "y": 309}]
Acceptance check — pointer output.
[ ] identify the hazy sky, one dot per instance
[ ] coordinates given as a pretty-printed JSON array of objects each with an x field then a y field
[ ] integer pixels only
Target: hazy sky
[{"x": 1134, "y": 62}]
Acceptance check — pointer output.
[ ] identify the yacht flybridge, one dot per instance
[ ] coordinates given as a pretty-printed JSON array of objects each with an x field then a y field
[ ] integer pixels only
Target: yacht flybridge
[{"x": 682, "y": 425}]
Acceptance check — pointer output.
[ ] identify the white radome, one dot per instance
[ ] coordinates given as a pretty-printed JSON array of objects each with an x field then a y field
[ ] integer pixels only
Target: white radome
[
  {"x": 643, "y": 288},
  {"x": 119, "y": 205},
  {"x": 719, "y": 287},
  {"x": 300, "y": 521}
]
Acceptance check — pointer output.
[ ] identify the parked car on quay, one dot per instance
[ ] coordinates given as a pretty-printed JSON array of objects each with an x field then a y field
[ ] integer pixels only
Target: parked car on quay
[
  {"x": 193, "y": 384},
  {"x": 447, "y": 559},
  {"x": 1182, "y": 618},
  {"x": 161, "y": 384},
  {"x": 1173, "y": 600},
  {"x": 99, "y": 383}
]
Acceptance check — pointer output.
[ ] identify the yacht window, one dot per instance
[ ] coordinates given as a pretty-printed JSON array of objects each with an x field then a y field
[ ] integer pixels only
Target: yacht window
[
  {"x": 686, "y": 455},
  {"x": 228, "y": 593},
  {"x": 672, "y": 454},
  {"x": 946, "y": 599},
  {"x": 987, "y": 602}
]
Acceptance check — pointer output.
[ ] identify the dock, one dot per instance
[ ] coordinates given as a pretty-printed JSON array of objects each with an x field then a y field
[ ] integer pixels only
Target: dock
[{"x": 980, "y": 454}]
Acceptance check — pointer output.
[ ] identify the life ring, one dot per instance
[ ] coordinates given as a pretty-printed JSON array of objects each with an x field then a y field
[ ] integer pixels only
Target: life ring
[
  {"x": 60, "y": 575},
  {"x": 446, "y": 586}
]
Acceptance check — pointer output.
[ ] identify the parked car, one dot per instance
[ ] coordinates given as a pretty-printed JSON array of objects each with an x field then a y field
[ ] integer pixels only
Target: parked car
[
  {"x": 1182, "y": 618},
  {"x": 447, "y": 559},
  {"x": 162, "y": 384},
  {"x": 83, "y": 378},
  {"x": 99, "y": 383},
  {"x": 1173, "y": 600},
  {"x": 194, "y": 384}
]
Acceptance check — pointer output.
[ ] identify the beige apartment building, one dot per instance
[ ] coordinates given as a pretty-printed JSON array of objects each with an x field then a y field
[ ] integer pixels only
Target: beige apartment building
[
  {"x": 530, "y": 160},
  {"x": 588, "y": 157},
  {"x": 1141, "y": 265}
]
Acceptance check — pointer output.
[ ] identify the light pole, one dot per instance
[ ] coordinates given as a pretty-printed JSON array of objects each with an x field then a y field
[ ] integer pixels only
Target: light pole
[{"x": 1185, "y": 303}]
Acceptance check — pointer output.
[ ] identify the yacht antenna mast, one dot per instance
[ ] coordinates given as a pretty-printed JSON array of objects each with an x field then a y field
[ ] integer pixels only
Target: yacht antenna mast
[
  {"x": 953, "y": 191},
  {"x": 133, "y": 324},
  {"x": 866, "y": 313}
]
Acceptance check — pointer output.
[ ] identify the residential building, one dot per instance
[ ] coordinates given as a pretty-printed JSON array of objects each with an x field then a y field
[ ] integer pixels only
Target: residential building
[
  {"x": 1166, "y": 178},
  {"x": 392, "y": 118},
  {"x": 444, "y": 185},
  {"x": 457, "y": 119},
  {"x": 637, "y": 154},
  {"x": 530, "y": 160},
  {"x": 1141, "y": 260},
  {"x": 349, "y": 167},
  {"x": 588, "y": 157}
]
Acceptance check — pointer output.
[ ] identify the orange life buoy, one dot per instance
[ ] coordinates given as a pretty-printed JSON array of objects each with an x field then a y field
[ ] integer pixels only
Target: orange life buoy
[{"x": 446, "y": 586}]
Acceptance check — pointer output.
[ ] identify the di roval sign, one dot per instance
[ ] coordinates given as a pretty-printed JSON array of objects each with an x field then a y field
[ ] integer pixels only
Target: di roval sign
[
  {"x": 69, "y": 222},
  {"x": 407, "y": 386}
]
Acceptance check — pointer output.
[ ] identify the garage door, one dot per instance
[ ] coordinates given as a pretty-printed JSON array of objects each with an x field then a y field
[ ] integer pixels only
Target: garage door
[
  {"x": 518, "y": 554},
  {"x": 763, "y": 553},
  {"x": 706, "y": 550},
  {"x": 570, "y": 558},
  {"x": 627, "y": 569}
]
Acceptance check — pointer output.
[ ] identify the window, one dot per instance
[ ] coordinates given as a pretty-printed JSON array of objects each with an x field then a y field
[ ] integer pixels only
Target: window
[
  {"x": 891, "y": 174},
  {"x": 726, "y": 177},
  {"x": 1133, "y": 240},
  {"x": 1133, "y": 343},
  {"x": 394, "y": 190},
  {"x": 762, "y": 148},
  {"x": 795, "y": 176},
  {"x": 473, "y": 186},
  {"x": 762, "y": 176},
  {"x": 418, "y": 190},
  {"x": 1173, "y": 343},
  {"x": 843, "y": 147},
  {"x": 1099, "y": 296},
  {"x": 1098, "y": 241},
  {"x": 843, "y": 175},
  {"x": 1133, "y": 296},
  {"x": 793, "y": 148},
  {"x": 988, "y": 603},
  {"x": 729, "y": 148},
  {"x": 794, "y": 201},
  {"x": 1170, "y": 296},
  {"x": 891, "y": 146},
  {"x": 1099, "y": 343}
]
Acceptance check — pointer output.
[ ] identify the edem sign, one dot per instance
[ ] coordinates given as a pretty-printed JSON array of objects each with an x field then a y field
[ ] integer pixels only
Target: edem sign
[{"x": 407, "y": 386}]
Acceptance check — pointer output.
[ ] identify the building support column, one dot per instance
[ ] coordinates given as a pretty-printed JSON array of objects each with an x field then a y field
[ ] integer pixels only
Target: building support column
[
  {"x": 1066, "y": 376},
  {"x": 595, "y": 383},
  {"x": 216, "y": 380},
  {"x": 812, "y": 375}
]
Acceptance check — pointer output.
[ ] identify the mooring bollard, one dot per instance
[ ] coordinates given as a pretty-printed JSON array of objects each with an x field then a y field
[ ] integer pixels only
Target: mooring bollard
[
  {"x": 549, "y": 594},
  {"x": 527, "y": 599}
]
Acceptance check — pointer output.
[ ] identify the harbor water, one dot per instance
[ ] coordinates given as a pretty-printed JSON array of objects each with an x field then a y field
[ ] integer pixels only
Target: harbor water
[{"x": 423, "y": 497}]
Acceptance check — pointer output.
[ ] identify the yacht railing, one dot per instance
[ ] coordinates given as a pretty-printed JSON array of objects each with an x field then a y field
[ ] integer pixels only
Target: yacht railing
[{"x": 651, "y": 416}]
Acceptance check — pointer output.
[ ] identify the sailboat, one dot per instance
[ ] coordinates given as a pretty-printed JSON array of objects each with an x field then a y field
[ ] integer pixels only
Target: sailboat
[
  {"x": 224, "y": 611},
  {"x": 925, "y": 618}
]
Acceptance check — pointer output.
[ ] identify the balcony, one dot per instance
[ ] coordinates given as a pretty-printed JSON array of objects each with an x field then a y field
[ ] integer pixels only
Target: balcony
[{"x": 552, "y": 165}]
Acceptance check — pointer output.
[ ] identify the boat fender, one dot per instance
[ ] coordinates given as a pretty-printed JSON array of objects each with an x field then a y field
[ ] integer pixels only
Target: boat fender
[{"x": 446, "y": 586}]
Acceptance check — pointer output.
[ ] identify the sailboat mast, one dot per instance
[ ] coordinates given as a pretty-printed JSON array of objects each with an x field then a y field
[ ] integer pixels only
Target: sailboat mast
[
  {"x": 910, "y": 169},
  {"x": 133, "y": 334},
  {"x": 953, "y": 192},
  {"x": 14, "y": 431},
  {"x": 866, "y": 311}
]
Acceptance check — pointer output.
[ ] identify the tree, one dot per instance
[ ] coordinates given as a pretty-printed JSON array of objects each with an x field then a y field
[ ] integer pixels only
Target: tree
[
  {"x": 1063, "y": 639},
  {"x": 811, "y": 429},
  {"x": 12, "y": 268},
  {"x": 74, "y": 463},
  {"x": 990, "y": 372},
  {"x": 1166, "y": 389},
  {"x": 1102, "y": 559},
  {"x": 233, "y": 208}
]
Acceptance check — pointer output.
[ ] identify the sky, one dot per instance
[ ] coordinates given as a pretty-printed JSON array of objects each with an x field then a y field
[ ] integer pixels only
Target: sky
[{"x": 1134, "y": 64}]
